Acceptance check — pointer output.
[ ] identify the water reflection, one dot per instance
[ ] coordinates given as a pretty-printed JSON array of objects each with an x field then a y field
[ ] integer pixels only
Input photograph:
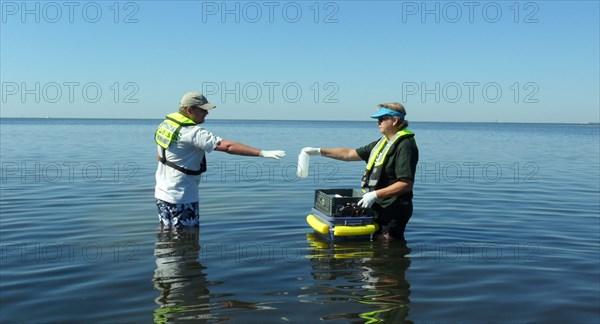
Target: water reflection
[
  {"x": 179, "y": 277},
  {"x": 371, "y": 274},
  {"x": 184, "y": 288}
]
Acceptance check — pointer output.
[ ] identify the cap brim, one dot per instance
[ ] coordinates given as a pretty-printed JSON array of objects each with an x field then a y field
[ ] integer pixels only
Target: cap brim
[
  {"x": 387, "y": 112},
  {"x": 379, "y": 114},
  {"x": 208, "y": 106}
]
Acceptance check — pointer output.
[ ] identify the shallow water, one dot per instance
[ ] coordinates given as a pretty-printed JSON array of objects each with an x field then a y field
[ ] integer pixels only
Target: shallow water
[{"x": 505, "y": 229}]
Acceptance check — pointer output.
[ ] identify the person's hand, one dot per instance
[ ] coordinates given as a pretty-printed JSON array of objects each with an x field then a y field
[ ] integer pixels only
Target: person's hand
[
  {"x": 312, "y": 150},
  {"x": 368, "y": 199},
  {"x": 272, "y": 154}
]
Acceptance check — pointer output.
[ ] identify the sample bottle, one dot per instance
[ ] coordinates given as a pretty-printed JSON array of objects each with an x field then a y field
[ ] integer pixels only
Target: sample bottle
[{"x": 303, "y": 160}]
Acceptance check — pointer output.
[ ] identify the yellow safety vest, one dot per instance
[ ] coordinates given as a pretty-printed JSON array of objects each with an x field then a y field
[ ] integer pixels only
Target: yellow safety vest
[
  {"x": 378, "y": 156},
  {"x": 168, "y": 133}
]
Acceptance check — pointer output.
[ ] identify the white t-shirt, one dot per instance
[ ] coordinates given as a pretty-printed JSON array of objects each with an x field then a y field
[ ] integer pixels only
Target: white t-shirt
[{"x": 174, "y": 186}]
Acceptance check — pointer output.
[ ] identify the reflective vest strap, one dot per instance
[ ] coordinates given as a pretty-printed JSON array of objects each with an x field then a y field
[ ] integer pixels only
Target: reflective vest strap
[
  {"x": 405, "y": 133},
  {"x": 181, "y": 169},
  {"x": 376, "y": 150},
  {"x": 373, "y": 170}
]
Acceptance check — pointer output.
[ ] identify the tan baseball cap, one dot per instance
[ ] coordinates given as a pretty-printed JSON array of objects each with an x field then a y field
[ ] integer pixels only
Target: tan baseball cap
[{"x": 195, "y": 99}]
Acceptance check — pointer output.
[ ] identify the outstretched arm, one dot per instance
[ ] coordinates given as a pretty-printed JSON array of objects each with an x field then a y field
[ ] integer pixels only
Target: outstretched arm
[
  {"x": 236, "y": 148},
  {"x": 340, "y": 153}
]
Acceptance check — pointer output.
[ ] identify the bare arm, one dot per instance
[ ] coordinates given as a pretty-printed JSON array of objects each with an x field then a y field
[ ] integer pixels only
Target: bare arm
[
  {"x": 236, "y": 148},
  {"x": 344, "y": 154}
]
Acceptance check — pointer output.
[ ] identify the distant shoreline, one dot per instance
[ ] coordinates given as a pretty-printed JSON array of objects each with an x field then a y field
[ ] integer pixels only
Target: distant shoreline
[{"x": 311, "y": 120}]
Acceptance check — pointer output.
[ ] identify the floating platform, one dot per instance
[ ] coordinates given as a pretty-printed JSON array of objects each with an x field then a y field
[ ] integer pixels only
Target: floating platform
[{"x": 336, "y": 215}]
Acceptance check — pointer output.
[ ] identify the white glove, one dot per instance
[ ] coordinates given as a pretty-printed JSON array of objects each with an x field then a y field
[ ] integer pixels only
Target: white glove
[
  {"x": 312, "y": 150},
  {"x": 368, "y": 199},
  {"x": 272, "y": 154}
]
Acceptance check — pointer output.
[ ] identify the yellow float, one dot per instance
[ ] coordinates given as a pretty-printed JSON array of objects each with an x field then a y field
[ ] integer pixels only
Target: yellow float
[
  {"x": 345, "y": 227},
  {"x": 340, "y": 230}
]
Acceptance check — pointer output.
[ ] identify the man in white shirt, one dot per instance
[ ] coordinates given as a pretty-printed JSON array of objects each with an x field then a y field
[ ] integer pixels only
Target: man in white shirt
[{"x": 182, "y": 145}]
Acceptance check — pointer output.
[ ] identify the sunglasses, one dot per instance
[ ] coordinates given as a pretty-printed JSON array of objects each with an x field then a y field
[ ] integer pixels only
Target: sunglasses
[{"x": 383, "y": 118}]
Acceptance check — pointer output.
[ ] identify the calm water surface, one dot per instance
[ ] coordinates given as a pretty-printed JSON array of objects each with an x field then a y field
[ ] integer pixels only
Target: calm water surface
[{"x": 505, "y": 229}]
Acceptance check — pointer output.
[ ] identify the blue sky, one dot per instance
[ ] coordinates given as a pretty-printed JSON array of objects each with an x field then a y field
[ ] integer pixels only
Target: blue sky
[{"x": 478, "y": 61}]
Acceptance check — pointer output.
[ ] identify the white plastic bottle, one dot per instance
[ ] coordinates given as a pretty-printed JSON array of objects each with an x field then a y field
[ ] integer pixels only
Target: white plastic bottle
[{"x": 303, "y": 160}]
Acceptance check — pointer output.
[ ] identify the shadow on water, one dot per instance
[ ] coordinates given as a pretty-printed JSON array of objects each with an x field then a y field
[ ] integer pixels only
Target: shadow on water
[{"x": 372, "y": 274}]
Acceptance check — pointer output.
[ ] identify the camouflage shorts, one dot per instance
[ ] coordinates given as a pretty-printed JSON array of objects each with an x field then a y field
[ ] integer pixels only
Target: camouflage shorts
[{"x": 178, "y": 215}]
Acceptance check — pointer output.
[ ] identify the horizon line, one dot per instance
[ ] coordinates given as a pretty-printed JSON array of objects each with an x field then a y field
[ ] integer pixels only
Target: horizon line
[{"x": 315, "y": 120}]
